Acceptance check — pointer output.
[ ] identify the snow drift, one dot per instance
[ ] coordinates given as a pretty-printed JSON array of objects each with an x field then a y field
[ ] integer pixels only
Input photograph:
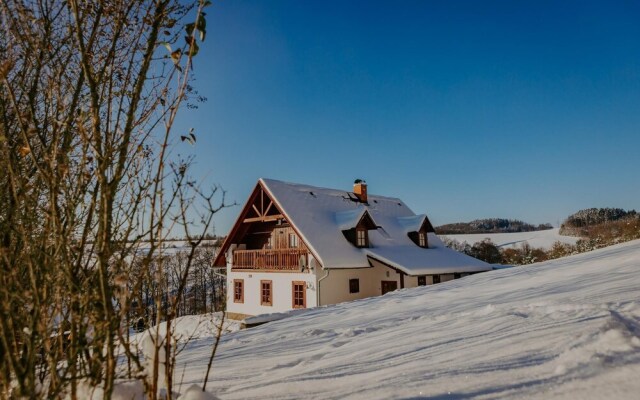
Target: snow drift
[{"x": 565, "y": 328}]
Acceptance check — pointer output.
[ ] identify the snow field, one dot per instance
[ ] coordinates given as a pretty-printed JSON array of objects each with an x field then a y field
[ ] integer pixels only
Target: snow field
[
  {"x": 557, "y": 329},
  {"x": 536, "y": 239}
]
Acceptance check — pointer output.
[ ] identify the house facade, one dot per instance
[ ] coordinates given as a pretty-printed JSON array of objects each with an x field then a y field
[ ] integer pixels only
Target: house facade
[{"x": 300, "y": 246}]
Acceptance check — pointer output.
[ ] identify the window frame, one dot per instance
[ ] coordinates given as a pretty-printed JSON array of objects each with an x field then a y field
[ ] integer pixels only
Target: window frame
[
  {"x": 238, "y": 283},
  {"x": 422, "y": 239},
  {"x": 362, "y": 242},
  {"x": 303, "y": 292},
  {"x": 354, "y": 285},
  {"x": 294, "y": 243},
  {"x": 269, "y": 298}
]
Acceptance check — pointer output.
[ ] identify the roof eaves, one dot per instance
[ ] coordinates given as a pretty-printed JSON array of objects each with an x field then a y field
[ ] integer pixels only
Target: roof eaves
[{"x": 388, "y": 262}]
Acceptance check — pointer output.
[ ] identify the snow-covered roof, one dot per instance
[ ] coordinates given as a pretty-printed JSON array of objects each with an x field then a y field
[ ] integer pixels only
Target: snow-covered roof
[
  {"x": 319, "y": 215},
  {"x": 412, "y": 223},
  {"x": 349, "y": 219}
]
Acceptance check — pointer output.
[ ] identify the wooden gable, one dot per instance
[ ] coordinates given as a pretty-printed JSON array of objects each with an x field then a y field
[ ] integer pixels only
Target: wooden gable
[{"x": 261, "y": 225}]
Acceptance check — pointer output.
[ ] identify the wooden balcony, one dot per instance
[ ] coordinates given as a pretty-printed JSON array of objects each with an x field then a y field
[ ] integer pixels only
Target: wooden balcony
[{"x": 280, "y": 259}]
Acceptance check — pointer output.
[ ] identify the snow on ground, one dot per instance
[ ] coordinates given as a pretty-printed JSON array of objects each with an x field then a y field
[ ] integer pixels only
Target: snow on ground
[
  {"x": 184, "y": 330},
  {"x": 190, "y": 327},
  {"x": 187, "y": 328},
  {"x": 544, "y": 239},
  {"x": 568, "y": 328}
]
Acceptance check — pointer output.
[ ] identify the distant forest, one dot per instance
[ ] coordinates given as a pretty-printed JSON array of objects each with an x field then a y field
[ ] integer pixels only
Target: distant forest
[
  {"x": 489, "y": 225},
  {"x": 584, "y": 222},
  {"x": 596, "y": 227}
]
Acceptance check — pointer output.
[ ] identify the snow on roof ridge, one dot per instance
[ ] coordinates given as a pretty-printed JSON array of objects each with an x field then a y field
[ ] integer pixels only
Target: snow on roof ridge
[{"x": 311, "y": 187}]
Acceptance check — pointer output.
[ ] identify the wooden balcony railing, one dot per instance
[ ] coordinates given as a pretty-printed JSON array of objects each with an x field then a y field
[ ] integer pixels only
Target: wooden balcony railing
[{"x": 280, "y": 259}]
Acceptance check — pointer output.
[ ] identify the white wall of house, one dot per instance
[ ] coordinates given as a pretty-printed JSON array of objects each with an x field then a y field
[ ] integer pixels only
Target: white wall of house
[
  {"x": 334, "y": 288},
  {"x": 281, "y": 291}
]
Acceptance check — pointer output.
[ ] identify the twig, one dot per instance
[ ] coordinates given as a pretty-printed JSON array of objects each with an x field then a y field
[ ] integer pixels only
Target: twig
[{"x": 213, "y": 352}]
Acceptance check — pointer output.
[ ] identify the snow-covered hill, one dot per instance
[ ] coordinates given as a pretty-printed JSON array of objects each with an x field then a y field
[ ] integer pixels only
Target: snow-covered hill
[
  {"x": 544, "y": 239},
  {"x": 569, "y": 328}
]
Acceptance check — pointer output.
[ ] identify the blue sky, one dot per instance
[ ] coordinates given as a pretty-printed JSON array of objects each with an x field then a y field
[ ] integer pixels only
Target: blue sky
[{"x": 464, "y": 109}]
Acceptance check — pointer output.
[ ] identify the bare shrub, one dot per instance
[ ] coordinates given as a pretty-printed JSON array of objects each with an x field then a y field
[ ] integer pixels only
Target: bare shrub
[{"x": 89, "y": 92}]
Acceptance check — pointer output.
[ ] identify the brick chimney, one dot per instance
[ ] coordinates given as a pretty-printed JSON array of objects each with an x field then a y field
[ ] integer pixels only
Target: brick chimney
[{"x": 360, "y": 190}]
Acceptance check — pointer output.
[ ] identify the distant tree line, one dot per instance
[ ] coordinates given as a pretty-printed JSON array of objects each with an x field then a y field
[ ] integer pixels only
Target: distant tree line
[
  {"x": 597, "y": 227},
  {"x": 488, "y": 251},
  {"x": 154, "y": 285},
  {"x": 582, "y": 222},
  {"x": 490, "y": 225}
]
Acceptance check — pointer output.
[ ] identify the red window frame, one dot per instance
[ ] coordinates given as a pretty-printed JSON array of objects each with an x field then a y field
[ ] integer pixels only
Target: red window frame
[
  {"x": 299, "y": 294},
  {"x": 238, "y": 290},
  {"x": 266, "y": 293}
]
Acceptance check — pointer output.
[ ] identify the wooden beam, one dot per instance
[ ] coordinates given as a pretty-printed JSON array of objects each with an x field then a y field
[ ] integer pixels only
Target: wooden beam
[
  {"x": 256, "y": 209},
  {"x": 264, "y": 218},
  {"x": 268, "y": 208}
]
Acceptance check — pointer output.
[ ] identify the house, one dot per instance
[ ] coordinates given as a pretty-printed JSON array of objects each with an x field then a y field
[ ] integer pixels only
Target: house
[{"x": 300, "y": 246}]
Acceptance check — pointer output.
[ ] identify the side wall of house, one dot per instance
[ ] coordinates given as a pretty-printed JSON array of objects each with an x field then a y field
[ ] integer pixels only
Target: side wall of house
[
  {"x": 412, "y": 281},
  {"x": 335, "y": 287}
]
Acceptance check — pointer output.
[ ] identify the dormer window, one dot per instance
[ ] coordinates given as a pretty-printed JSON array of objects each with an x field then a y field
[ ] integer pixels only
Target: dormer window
[
  {"x": 362, "y": 238},
  {"x": 355, "y": 226},
  {"x": 417, "y": 227},
  {"x": 422, "y": 239},
  {"x": 419, "y": 238}
]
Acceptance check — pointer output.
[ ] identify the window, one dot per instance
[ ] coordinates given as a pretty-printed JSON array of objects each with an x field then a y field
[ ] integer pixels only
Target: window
[
  {"x": 457, "y": 275},
  {"x": 358, "y": 235},
  {"x": 293, "y": 240},
  {"x": 266, "y": 293},
  {"x": 362, "y": 239},
  {"x": 422, "y": 239},
  {"x": 269, "y": 244},
  {"x": 422, "y": 280},
  {"x": 436, "y": 279},
  {"x": 354, "y": 285},
  {"x": 419, "y": 238},
  {"x": 238, "y": 290},
  {"x": 299, "y": 294}
]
